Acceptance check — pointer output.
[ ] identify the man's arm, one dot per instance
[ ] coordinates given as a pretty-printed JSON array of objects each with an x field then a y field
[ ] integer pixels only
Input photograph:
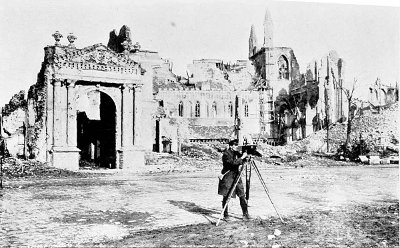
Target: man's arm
[{"x": 230, "y": 162}]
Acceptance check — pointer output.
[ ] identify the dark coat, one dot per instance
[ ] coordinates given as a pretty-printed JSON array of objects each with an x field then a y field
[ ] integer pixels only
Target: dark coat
[{"x": 230, "y": 161}]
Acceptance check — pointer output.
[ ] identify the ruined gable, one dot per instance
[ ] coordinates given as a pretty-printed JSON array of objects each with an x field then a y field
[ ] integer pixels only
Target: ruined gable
[{"x": 115, "y": 41}]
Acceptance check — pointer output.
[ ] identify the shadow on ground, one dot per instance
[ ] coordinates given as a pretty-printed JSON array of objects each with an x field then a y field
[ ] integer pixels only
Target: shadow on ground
[
  {"x": 193, "y": 208},
  {"x": 211, "y": 214}
]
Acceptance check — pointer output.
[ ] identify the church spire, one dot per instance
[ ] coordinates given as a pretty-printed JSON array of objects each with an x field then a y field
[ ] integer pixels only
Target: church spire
[
  {"x": 252, "y": 42},
  {"x": 268, "y": 30}
]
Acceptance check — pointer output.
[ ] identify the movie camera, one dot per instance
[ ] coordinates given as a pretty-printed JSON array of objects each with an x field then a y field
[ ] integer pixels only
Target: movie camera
[{"x": 250, "y": 150}]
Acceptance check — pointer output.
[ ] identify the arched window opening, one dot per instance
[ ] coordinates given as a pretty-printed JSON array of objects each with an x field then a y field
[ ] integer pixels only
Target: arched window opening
[
  {"x": 246, "y": 110},
  {"x": 214, "y": 109},
  {"x": 190, "y": 108},
  {"x": 283, "y": 67},
  {"x": 197, "y": 109},
  {"x": 180, "y": 109},
  {"x": 230, "y": 109}
]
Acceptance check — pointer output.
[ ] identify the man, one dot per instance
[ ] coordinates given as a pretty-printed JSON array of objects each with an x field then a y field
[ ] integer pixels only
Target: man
[{"x": 231, "y": 162}]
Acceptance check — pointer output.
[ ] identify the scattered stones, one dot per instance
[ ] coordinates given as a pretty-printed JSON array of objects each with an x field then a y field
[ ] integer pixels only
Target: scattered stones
[
  {"x": 277, "y": 232},
  {"x": 18, "y": 168}
]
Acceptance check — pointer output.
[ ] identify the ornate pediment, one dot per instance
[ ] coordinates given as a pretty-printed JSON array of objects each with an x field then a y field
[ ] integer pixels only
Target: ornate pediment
[{"x": 97, "y": 54}]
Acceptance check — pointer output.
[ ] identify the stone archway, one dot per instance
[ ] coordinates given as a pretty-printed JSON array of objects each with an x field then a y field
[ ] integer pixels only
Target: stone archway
[
  {"x": 283, "y": 67},
  {"x": 117, "y": 79},
  {"x": 97, "y": 129}
]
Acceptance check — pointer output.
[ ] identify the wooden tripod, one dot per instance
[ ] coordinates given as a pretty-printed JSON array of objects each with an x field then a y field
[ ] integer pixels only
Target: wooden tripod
[{"x": 248, "y": 165}]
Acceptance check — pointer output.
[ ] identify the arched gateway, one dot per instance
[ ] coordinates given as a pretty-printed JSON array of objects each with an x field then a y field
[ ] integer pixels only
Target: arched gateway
[{"x": 93, "y": 107}]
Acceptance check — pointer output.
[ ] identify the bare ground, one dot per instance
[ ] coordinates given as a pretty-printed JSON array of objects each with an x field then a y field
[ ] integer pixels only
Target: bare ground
[
  {"x": 374, "y": 225},
  {"x": 340, "y": 205}
]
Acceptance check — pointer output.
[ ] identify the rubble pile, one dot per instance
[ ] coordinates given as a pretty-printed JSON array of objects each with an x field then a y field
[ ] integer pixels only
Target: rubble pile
[
  {"x": 378, "y": 130},
  {"x": 192, "y": 160},
  {"x": 375, "y": 129},
  {"x": 16, "y": 168},
  {"x": 276, "y": 151},
  {"x": 203, "y": 151}
]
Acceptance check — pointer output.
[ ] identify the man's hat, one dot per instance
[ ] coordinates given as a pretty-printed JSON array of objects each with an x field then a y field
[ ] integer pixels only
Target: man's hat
[{"x": 233, "y": 142}]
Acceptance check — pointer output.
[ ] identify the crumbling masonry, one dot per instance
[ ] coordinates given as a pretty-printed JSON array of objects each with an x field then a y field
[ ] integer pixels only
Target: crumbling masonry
[{"x": 100, "y": 104}]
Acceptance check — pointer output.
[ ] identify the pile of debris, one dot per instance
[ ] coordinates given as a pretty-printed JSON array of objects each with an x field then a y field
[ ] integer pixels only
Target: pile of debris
[
  {"x": 194, "y": 157},
  {"x": 378, "y": 130},
  {"x": 17, "y": 168},
  {"x": 203, "y": 151}
]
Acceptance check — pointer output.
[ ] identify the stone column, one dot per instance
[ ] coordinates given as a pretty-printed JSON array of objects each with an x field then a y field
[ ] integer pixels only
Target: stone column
[
  {"x": 49, "y": 117},
  {"x": 137, "y": 117},
  {"x": 118, "y": 127},
  {"x": 127, "y": 157},
  {"x": 64, "y": 157},
  {"x": 133, "y": 153},
  {"x": 58, "y": 114},
  {"x": 127, "y": 116},
  {"x": 71, "y": 110},
  {"x": 309, "y": 120}
]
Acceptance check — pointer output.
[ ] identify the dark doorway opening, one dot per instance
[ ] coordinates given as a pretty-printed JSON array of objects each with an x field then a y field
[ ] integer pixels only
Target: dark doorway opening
[
  {"x": 96, "y": 138},
  {"x": 156, "y": 146}
]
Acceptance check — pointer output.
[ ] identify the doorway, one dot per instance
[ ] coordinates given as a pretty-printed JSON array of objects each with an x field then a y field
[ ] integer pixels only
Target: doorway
[{"x": 96, "y": 127}]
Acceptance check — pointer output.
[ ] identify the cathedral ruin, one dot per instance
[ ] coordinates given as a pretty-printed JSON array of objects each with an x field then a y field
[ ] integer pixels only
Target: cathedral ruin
[{"x": 113, "y": 104}]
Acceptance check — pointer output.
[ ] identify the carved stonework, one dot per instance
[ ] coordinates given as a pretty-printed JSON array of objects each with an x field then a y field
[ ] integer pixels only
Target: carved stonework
[
  {"x": 127, "y": 45},
  {"x": 130, "y": 87},
  {"x": 70, "y": 83},
  {"x": 71, "y": 38},
  {"x": 96, "y": 57},
  {"x": 57, "y": 36},
  {"x": 136, "y": 47}
]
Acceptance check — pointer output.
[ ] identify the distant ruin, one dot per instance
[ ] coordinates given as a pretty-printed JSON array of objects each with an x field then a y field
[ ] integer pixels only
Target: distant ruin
[{"x": 111, "y": 104}]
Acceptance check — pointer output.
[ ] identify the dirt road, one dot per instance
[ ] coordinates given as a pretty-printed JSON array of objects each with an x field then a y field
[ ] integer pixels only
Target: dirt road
[{"x": 74, "y": 211}]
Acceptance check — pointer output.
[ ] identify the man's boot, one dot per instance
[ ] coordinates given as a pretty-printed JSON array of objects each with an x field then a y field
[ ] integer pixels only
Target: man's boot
[
  {"x": 243, "y": 205},
  {"x": 226, "y": 214}
]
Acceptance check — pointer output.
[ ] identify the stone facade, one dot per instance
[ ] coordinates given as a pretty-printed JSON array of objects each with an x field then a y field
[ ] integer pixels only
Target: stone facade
[
  {"x": 110, "y": 104},
  {"x": 301, "y": 101},
  {"x": 265, "y": 97},
  {"x": 381, "y": 94},
  {"x": 92, "y": 104},
  {"x": 217, "y": 100},
  {"x": 320, "y": 94}
]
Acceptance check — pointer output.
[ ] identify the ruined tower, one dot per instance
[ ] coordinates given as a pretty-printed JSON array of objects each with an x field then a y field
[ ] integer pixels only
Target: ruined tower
[
  {"x": 268, "y": 30},
  {"x": 252, "y": 42}
]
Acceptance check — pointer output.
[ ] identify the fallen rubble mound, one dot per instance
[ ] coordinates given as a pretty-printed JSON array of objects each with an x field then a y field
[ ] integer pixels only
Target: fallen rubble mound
[
  {"x": 378, "y": 130},
  {"x": 193, "y": 157},
  {"x": 17, "y": 168}
]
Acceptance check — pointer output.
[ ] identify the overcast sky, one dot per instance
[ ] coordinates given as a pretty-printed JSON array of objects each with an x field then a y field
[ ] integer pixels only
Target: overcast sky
[{"x": 365, "y": 36}]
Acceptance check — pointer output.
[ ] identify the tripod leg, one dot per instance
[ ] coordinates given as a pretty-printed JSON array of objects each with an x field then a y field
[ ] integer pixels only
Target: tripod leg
[
  {"x": 248, "y": 177},
  {"x": 230, "y": 195},
  {"x": 266, "y": 189}
]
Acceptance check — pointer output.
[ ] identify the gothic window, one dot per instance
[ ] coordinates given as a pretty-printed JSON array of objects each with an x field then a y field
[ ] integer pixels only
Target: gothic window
[
  {"x": 246, "y": 110},
  {"x": 197, "y": 109},
  {"x": 230, "y": 109},
  {"x": 283, "y": 66},
  {"x": 214, "y": 109},
  {"x": 180, "y": 109},
  {"x": 270, "y": 106},
  {"x": 190, "y": 109}
]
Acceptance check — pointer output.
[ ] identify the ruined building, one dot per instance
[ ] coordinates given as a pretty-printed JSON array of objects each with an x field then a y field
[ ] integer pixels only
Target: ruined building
[
  {"x": 381, "y": 94},
  {"x": 90, "y": 103},
  {"x": 112, "y": 104},
  {"x": 266, "y": 98}
]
